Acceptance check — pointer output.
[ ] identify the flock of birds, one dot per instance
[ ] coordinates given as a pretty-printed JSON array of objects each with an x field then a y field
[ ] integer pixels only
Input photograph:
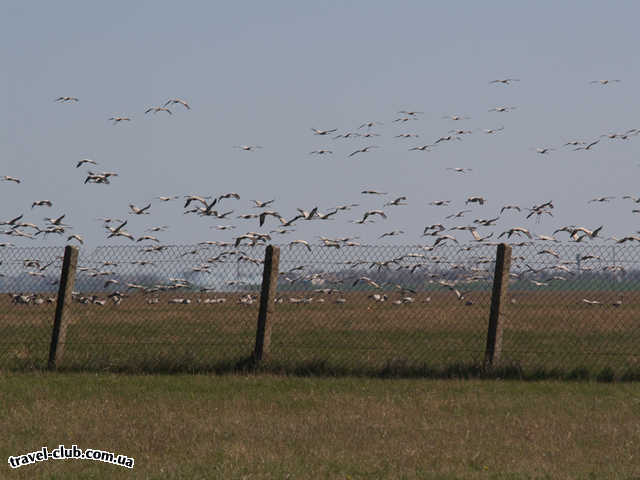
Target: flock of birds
[{"x": 271, "y": 220}]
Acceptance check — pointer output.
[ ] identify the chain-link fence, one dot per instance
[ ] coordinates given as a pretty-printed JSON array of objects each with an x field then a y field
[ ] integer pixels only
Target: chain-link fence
[{"x": 338, "y": 307}]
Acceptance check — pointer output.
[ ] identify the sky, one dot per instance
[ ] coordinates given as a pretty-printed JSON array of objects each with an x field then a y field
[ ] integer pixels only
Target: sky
[{"x": 266, "y": 73}]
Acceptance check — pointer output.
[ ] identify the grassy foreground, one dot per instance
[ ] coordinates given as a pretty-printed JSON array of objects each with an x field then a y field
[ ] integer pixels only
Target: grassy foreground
[{"x": 183, "y": 426}]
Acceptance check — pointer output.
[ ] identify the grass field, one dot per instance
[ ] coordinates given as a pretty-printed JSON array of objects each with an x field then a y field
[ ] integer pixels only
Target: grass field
[
  {"x": 232, "y": 426},
  {"x": 553, "y": 332}
]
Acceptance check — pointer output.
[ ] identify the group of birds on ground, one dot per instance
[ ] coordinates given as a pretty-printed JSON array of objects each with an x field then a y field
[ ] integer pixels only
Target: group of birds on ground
[{"x": 270, "y": 222}]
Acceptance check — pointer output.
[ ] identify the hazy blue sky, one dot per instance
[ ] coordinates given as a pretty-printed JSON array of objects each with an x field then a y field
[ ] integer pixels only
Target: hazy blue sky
[{"x": 265, "y": 73}]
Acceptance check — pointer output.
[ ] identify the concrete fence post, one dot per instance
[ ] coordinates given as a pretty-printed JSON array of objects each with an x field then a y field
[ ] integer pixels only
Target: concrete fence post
[
  {"x": 498, "y": 297},
  {"x": 67, "y": 280},
  {"x": 267, "y": 302}
]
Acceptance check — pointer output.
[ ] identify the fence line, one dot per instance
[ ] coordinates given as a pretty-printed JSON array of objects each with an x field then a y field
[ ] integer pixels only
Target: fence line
[{"x": 356, "y": 308}]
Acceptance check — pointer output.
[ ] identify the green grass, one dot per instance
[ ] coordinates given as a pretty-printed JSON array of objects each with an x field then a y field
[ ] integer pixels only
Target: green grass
[
  {"x": 233, "y": 426},
  {"x": 550, "y": 334}
]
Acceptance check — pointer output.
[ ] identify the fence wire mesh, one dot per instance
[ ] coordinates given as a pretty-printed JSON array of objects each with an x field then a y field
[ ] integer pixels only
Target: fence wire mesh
[
  {"x": 29, "y": 284},
  {"x": 354, "y": 308}
]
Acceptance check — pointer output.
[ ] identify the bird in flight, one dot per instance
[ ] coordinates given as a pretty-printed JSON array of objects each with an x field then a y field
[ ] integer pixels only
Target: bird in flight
[
  {"x": 396, "y": 202},
  {"x": 259, "y": 204},
  {"x": 370, "y": 124},
  {"x": 139, "y": 211},
  {"x": 587, "y": 147},
  {"x": 119, "y": 119},
  {"x": 479, "y": 200},
  {"x": 491, "y": 131},
  {"x": 502, "y": 109},
  {"x": 363, "y": 150},
  {"x": 66, "y": 99},
  {"x": 422, "y": 148},
  {"x": 601, "y": 199},
  {"x": 77, "y": 237},
  {"x": 247, "y": 148},
  {"x": 456, "y": 117},
  {"x": 158, "y": 109},
  {"x": 173, "y": 101},
  {"x": 86, "y": 160},
  {"x": 42, "y": 203},
  {"x": 323, "y": 132},
  {"x": 543, "y": 150},
  {"x": 505, "y": 81},
  {"x": 7, "y": 178},
  {"x": 460, "y": 169},
  {"x": 320, "y": 152},
  {"x": 516, "y": 230},
  {"x": 604, "y": 82}
]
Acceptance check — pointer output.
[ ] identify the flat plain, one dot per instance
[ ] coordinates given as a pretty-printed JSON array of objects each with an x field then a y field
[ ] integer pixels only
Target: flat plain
[{"x": 543, "y": 330}]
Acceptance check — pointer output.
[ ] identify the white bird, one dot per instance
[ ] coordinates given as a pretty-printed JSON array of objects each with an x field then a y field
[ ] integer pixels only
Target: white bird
[
  {"x": 259, "y": 204},
  {"x": 422, "y": 148},
  {"x": 396, "y": 202},
  {"x": 516, "y": 230},
  {"x": 158, "y": 109},
  {"x": 392, "y": 233},
  {"x": 447, "y": 138},
  {"x": 479, "y": 200},
  {"x": 604, "y": 82},
  {"x": 370, "y": 124},
  {"x": 7, "y": 178},
  {"x": 502, "y": 109},
  {"x": 56, "y": 221},
  {"x": 119, "y": 119},
  {"x": 363, "y": 150},
  {"x": 148, "y": 237},
  {"x": 587, "y": 147},
  {"x": 372, "y": 192},
  {"x": 86, "y": 160},
  {"x": 505, "y": 81},
  {"x": 477, "y": 237},
  {"x": 75, "y": 237},
  {"x": 544, "y": 150},
  {"x": 139, "y": 211},
  {"x": 247, "y": 148},
  {"x": 323, "y": 132},
  {"x": 264, "y": 214},
  {"x": 456, "y": 117},
  {"x": 509, "y": 207},
  {"x": 460, "y": 214},
  {"x": 373, "y": 212},
  {"x": 300, "y": 242},
  {"x": 173, "y": 101},
  {"x": 591, "y": 302}
]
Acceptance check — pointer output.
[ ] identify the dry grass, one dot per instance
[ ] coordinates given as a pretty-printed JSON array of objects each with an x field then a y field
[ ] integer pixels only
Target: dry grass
[
  {"x": 281, "y": 427},
  {"x": 542, "y": 330}
]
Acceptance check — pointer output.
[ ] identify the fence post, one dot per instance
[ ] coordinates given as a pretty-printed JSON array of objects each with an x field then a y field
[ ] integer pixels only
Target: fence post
[
  {"x": 267, "y": 297},
  {"x": 500, "y": 283},
  {"x": 67, "y": 279}
]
